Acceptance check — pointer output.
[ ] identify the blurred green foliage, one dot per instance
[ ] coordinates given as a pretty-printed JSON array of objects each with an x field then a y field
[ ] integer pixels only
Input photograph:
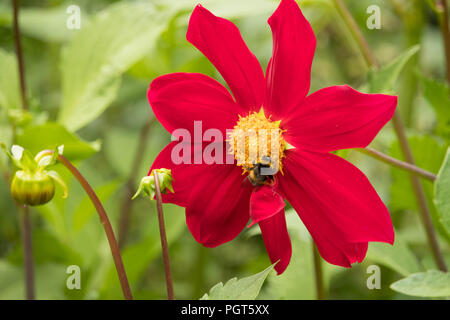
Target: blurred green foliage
[{"x": 87, "y": 90}]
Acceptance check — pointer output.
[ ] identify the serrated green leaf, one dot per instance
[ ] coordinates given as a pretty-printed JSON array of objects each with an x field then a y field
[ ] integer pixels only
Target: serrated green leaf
[
  {"x": 432, "y": 283},
  {"x": 397, "y": 257},
  {"x": 244, "y": 289},
  {"x": 9, "y": 81},
  {"x": 94, "y": 61},
  {"x": 50, "y": 135},
  {"x": 442, "y": 192},
  {"x": 383, "y": 80}
]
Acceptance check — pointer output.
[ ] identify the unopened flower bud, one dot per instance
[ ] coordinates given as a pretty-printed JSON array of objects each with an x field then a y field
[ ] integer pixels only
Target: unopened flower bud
[
  {"x": 147, "y": 185},
  {"x": 33, "y": 185},
  {"x": 32, "y": 189}
]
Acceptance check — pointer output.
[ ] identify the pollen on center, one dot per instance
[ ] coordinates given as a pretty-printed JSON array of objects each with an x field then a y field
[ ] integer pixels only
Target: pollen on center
[{"x": 256, "y": 139}]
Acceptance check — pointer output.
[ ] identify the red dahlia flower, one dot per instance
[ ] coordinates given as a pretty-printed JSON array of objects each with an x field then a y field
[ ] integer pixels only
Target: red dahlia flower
[{"x": 333, "y": 198}]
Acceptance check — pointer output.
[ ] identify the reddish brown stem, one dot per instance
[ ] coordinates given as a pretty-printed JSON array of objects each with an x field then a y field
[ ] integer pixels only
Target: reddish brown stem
[
  {"x": 398, "y": 163},
  {"x": 130, "y": 188},
  {"x": 27, "y": 243},
  {"x": 445, "y": 34},
  {"x": 164, "y": 246},
  {"x": 403, "y": 140},
  {"x": 25, "y": 220},
  {"x": 18, "y": 45},
  {"x": 346, "y": 15},
  {"x": 420, "y": 196},
  {"x": 106, "y": 225}
]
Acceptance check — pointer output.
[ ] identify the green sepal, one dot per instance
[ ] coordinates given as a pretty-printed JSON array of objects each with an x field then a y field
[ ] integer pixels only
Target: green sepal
[
  {"x": 15, "y": 161},
  {"x": 57, "y": 178},
  {"x": 147, "y": 184},
  {"x": 21, "y": 158}
]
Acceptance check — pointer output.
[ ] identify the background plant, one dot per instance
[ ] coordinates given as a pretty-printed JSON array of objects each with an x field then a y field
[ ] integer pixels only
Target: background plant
[{"x": 86, "y": 90}]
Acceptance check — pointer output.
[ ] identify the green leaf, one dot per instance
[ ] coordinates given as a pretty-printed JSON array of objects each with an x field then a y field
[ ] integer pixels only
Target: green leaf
[
  {"x": 438, "y": 96},
  {"x": 50, "y": 249},
  {"x": 428, "y": 153},
  {"x": 49, "y": 25},
  {"x": 442, "y": 192},
  {"x": 50, "y": 281},
  {"x": 432, "y": 283},
  {"x": 383, "y": 80},
  {"x": 100, "y": 53},
  {"x": 297, "y": 281},
  {"x": 244, "y": 289},
  {"x": 228, "y": 9},
  {"x": 86, "y": 210},
  {"x": 9, "y": 81},
  {"x": 397, "y": 257},
  {"x": 50, "y": 135},
  {"x": 45, "y": 24},
  {"x": 121, "y": 146}
]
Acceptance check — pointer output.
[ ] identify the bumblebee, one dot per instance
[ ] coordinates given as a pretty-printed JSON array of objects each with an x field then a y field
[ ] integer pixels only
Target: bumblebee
[{"x": 254, "y": 173}]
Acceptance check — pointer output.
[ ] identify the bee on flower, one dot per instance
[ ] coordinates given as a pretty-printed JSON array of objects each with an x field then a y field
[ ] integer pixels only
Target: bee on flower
[{"x": 334, "y": 199}]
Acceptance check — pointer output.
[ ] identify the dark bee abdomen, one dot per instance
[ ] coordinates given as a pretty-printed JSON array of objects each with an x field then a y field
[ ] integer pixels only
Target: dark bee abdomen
[{"x": 255, "y": 177}]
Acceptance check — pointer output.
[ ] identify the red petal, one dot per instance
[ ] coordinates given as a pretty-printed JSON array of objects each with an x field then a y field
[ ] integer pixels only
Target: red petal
[
  {"x": 289, "y": 71},
  {"x": 221, "y": 42},
  {"x": 338, "y": 117},
  {"x": 277, "y": 241},
  {"x": 179, "y": 99},
  {"x": 337, "y": 204},
  {"x": 216, "y": 199},
  {"x": 218, "y": 207},
  {"x": 264, "y": 203},
  {"x": 184, "y": 175}
]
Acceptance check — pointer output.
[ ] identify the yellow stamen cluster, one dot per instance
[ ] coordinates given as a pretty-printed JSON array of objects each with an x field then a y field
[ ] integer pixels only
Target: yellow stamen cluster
[{"x": 255, "y": 139}]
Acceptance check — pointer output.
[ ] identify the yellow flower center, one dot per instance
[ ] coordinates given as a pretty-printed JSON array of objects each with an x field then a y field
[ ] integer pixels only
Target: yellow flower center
[{"x": 256, "y": 140}]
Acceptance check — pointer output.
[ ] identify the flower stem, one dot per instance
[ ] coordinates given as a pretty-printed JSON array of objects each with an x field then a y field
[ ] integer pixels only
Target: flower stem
[
  {"x": 104, "y": 221},
  {"x": 420, "y": 196},
  {"x": 356, "y": 33},
  {"x": 445, "y": 33},
  {"x": 18, "y": 45},
  {"x": 164, "y": 246},
  {"x": 25, "y": 220},
  {"x": 127, "y": 203},
  {"x": 320, "y": 290},
  {"x": 27, "y": 243},
  {"x": 398, "y": 163},
  {"x": 403, "y": 140}
]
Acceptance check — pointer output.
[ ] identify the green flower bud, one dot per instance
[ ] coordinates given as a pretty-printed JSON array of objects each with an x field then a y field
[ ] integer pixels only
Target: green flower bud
[
  {"x": 33, "y": 185},
  {"x": 32, "y": 189},
  {"x": 147, "y": 185}
]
